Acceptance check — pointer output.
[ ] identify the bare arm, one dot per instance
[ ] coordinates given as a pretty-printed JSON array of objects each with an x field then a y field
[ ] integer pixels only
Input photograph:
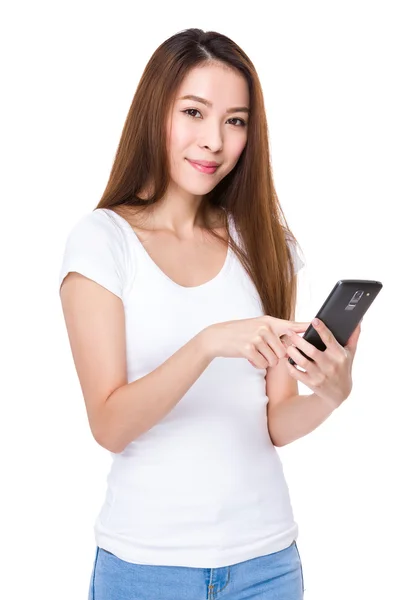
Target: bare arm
[
  {"x": 118, "y": 411},
  {"x": 135, "y": 407},
  {"x": 291, "y": 415},
  {"x": 297, "y": 416}
]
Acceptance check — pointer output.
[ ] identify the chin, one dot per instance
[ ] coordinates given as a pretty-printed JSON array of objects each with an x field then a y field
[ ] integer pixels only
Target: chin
[
  {"x": 199, "y": 191},
  {"x": 196, "y": 189}
]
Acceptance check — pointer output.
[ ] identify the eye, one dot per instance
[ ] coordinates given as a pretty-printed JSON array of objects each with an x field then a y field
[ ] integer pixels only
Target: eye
[
  {"x": 191, "y": 110},
  {"x": 242, "y": 123}
]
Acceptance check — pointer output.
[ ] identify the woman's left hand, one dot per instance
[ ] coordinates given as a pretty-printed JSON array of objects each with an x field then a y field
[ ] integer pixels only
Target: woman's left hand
[{"x": 330, "y": 374}]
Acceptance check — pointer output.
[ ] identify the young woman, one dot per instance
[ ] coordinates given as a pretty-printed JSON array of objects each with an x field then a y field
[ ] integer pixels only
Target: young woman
[{"x": 178, "y": 293}]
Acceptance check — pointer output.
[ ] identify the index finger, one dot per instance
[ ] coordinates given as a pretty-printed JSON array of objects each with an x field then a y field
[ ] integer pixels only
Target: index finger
[{"x": 298, "y": 326}]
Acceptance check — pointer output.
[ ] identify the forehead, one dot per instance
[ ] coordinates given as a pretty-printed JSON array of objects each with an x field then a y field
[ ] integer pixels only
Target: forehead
[{"x": 220, "y": 84}]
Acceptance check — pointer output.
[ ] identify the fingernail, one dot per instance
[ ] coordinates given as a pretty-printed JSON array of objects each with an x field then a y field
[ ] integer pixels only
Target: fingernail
[{"x": 315, "y": 322}]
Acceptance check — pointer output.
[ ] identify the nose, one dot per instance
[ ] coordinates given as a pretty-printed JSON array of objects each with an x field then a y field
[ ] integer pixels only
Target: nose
[{"x": 212, "y": 137}]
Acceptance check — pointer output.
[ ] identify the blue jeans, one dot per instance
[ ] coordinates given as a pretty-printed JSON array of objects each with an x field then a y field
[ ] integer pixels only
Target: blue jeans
[{"x": 276, "y": 576}]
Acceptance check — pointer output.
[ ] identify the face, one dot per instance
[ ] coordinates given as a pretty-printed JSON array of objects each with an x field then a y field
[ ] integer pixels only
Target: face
[{"x": 207, "y": 132}]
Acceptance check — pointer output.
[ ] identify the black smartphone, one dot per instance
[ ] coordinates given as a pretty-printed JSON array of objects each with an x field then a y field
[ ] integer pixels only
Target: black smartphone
[{"x": 342, "y": 310}]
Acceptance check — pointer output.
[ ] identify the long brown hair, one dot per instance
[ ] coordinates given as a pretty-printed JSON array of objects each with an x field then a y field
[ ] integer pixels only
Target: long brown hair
[{"x": 247, "y": 192}]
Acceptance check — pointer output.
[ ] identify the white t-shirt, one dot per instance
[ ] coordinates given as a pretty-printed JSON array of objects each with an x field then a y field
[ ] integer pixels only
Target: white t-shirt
[{"x": 205, "y": 486}]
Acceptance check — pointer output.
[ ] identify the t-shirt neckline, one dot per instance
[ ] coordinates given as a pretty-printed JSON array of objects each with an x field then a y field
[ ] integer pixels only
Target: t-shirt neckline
[{"x": 161, "y": 272}]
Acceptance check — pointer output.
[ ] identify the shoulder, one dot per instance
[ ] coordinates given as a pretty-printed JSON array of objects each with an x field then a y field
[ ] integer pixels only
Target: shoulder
[
  {"x": 96, "y": 229},
  {"x": 96, "y": 247},
  {"x": 99, "y": 222}
]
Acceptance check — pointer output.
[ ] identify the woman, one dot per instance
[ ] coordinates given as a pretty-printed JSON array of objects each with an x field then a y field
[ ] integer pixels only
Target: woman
[{"x": 179, "y": 293}]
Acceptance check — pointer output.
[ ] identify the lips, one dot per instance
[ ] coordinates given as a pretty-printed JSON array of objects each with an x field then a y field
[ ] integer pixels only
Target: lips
[
  {"x": 205, "y": 163},
  {"x": 203, "y": 168}
]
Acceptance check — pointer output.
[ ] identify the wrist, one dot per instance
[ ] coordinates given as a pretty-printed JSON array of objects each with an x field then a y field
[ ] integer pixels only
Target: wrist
[
  {"x": 331, "y": 403},
  {"x": 205, "y": 340}
]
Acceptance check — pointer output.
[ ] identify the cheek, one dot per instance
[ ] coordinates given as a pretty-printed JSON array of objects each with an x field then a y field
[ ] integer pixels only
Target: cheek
[
  {"x": 179, "y": 144},
  {"x": 181, "y": 135},
  {"x": 236, "y": 147}
]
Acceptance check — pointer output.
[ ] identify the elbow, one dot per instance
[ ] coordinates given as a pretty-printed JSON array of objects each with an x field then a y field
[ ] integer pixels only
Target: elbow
[
  {"x": 102, "y": 432},
  {"x": 275, "y": 442},
  {"x": 105, "y": 442},
  {"x": 108, "y": 446}
]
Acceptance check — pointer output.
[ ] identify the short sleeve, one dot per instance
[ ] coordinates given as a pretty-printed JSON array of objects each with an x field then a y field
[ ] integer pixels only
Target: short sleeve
[{"x": 93, "y": 248}]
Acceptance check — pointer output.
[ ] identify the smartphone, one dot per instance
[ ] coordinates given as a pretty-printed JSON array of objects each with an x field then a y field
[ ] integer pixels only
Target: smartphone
[{"x": 342, "y": 310}]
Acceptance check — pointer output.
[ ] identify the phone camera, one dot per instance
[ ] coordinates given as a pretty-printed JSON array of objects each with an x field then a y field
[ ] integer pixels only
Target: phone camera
[{"x": 356, "y": 297}]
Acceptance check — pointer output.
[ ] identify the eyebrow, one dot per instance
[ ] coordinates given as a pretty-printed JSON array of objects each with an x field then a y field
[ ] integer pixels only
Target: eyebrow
[{"x": 208, "y": 103}]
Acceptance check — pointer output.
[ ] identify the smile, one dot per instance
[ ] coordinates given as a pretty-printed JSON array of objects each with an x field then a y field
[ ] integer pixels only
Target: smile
[{"x": 202, "y": 169}]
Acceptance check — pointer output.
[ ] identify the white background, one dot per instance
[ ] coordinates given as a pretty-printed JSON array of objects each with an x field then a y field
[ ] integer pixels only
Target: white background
[{"x": 335, "y": 78}]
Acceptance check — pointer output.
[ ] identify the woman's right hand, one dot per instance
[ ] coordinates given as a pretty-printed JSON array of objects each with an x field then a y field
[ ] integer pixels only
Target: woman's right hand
[{"x": 257, "y": 339}]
